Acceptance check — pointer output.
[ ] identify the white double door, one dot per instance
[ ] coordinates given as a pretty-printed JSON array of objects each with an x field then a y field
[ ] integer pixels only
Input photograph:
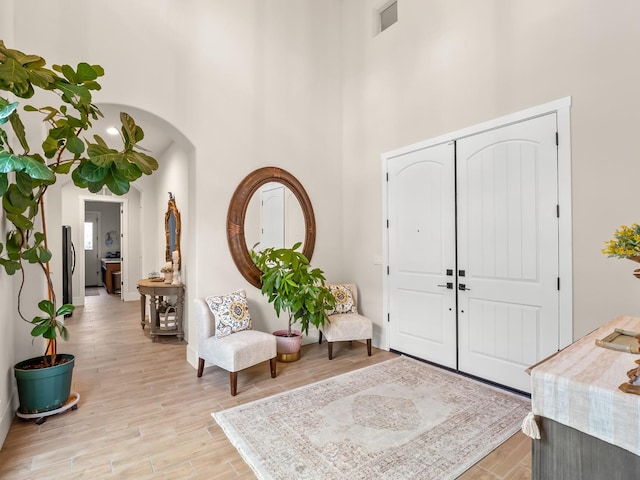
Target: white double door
[{"x": 473, "y": 251}]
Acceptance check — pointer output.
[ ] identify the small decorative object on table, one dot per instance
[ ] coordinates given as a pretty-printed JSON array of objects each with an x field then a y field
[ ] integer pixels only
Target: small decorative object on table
[
  {"x": 625, "y": 244},
  {"x": 621, "y": 340},
  {"x": 168, "y": 272},
  {"x": 176, "y": 268}
]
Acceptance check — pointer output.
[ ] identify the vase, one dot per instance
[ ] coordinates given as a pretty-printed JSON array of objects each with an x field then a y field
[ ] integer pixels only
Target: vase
[
  {"x": 288, "y": 348},
  {"x": 168, "y": 277}
]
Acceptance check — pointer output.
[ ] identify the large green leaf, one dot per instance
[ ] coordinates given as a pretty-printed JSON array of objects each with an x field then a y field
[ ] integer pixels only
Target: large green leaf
[
  {"x": 75, "y": 145},
  {"x": 117, "y": 183},
  {"x": 47, "y": 307},
  {"x": 38, "y": 170},
  {"x": 91, "y": 172},
  {"x": 13, "y": 201},
  {"x": 10, "y": 266},
  {"x": 19, "y": 131},
  {"x": 4, "y": 183},
  {"x": 62, "y": 168},
  {"x": 6, "y": 111},
  {"x": 20, "y": 221},
  {"x": 86, "y": 73},
  {"x": 15, "y": 78},
  {"x": 10, "y": 162},
  {"x": 78, "y": 181},
  {"x": 145, "y": 163},
  {"x": 101, "y": 156},
  {"x": 24, "y": 183}
]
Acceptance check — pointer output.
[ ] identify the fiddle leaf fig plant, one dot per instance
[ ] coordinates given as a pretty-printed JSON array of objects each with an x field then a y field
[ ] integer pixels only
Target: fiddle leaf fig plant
[
  {"x": 289, "y": 282},
  {"x": 27, "y": 171}
]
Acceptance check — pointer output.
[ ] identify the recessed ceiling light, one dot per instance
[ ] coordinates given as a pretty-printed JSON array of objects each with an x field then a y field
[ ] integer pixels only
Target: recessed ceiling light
[{"x": 112, "y": 131}]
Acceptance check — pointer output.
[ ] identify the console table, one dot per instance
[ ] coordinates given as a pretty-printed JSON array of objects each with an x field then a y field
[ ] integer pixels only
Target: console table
[
  {"x": 168, "y": 322},
  {"x": 589, "y": 428}
]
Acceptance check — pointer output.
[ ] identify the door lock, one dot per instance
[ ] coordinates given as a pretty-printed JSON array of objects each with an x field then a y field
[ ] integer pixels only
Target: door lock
[
  {"x": 463, "y": 287},
  {"x": 449, "y": 285}
]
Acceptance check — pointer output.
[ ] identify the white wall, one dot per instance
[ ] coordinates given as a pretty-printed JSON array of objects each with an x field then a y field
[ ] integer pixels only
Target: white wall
[
  {"x": 449, "y": 64},
  {"x": 249, "y": 84}
]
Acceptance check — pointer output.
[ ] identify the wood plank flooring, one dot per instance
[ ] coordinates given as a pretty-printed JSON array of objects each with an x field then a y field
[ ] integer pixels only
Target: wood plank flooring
[{"x": 144, "y": 414}]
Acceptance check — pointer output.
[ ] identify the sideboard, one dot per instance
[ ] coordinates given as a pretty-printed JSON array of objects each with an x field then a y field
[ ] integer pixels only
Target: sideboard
[
  {"x": 589, "y": 428},
  {"x": 166, "y": 302}
]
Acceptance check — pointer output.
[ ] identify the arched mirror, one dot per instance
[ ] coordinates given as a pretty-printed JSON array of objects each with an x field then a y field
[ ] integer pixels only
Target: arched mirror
[
  {"x": 172, "y": 230},
  {"x": 264, "y": 183}
]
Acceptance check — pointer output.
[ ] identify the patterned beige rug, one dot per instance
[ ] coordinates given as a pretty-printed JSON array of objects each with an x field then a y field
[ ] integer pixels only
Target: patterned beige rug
[{"x": 399, "y": 419}]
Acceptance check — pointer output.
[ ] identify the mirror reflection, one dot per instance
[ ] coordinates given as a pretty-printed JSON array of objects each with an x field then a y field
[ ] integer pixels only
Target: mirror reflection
[
  {"x": 172, "y": 231},
  {"x": 274, "y": 218}
]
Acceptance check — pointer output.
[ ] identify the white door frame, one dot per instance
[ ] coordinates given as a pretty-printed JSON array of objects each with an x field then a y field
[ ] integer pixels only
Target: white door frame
[
  {"x": 562, "y": 108},
  {"x": 124, "y": 226}
]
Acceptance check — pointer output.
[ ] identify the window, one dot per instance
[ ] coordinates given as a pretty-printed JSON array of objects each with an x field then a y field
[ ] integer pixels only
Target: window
[
  {"x": 388, "y": 15},
  {"x": 88, "y": 235}
]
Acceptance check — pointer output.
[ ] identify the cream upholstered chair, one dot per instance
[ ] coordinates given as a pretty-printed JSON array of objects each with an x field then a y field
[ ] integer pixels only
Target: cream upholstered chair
[
  {"x": 346, "y": 323},
  {"x": 226, "y": 339}
]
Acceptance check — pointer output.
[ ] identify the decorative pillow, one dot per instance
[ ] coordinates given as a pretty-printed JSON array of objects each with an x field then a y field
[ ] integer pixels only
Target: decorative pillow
[
  {"x": 231, "y": 313},
  {"x": 344, "y": 299}
]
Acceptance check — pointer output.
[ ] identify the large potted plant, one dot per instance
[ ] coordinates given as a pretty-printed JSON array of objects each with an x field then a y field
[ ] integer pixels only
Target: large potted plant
[
  {"x": 25, "y": 176},
  {"x": 293, "y": 286}
]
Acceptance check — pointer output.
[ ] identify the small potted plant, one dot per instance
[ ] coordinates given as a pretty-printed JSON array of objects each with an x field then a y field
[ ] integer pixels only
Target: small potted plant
[
  {"x": 25, "y": 176},
  {"x": 168, "y": 272},
  {"x": 625, "y": 244},
  {"x": 293, "y": 286}
]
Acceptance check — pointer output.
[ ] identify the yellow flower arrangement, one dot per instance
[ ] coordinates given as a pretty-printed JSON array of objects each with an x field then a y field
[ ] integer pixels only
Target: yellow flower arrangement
[{"x": 625, "y": 242}]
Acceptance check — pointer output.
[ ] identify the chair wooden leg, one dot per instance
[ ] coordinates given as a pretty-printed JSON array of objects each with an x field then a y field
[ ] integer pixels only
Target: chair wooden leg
[
  {"x": 272, "y": 364},
  {"x": 369, "y": 346},
  {"x": 330, "y": 344},
  {"x": 200, "y": 366},
  {"x": 319, "y": 338},
  {"x": 233, "y": 382}
]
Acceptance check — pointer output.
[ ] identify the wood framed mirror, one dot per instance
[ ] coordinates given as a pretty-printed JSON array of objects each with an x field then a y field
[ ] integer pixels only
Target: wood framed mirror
[
  {"x": 172, "y": 231},
  {"x": 236, "y": 215}
]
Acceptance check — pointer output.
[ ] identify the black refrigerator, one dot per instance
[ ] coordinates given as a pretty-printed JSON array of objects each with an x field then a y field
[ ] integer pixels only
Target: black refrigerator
[{"x": 68, "y": 265}]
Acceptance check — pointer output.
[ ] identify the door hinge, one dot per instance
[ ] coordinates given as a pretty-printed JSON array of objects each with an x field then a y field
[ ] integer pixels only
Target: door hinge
[
  {"x": 387, "y": 223},
  {"x": 557, "y": 139},
  {"x": 558, "y": 283},
  {"x": 388, "y": 317},
  {"x": 558, "y": 211},
  {"x": 387, "y": 176},
  {"x": 387, "y": 269}
]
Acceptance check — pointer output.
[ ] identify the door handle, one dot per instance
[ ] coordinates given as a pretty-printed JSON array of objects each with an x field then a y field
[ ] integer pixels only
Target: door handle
[
  {"x": 463, "y": 287},
  {"x": 449, "y": 285}
]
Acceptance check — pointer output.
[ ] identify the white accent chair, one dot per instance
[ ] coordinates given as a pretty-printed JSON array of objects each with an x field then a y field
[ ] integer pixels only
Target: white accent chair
[
  {"x": 234, "y": 352},
  {"x": 346, "y": 324}
]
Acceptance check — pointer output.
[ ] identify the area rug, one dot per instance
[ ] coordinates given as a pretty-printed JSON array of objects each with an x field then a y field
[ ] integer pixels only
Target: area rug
[{"x": 399, "y": 419}]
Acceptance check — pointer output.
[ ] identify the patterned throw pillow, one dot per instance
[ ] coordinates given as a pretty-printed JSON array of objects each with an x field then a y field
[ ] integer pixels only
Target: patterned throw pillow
[
  {"x": 231, "y": 312},
  {"x": 344, "y": 300}
]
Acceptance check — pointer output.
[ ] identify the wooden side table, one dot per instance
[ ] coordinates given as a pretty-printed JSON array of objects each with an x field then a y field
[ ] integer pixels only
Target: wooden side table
[{"x": 158, "y": 293}]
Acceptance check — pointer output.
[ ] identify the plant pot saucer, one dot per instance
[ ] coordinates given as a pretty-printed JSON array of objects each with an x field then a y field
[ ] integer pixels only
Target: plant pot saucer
[{"x": 41, "y": 417}]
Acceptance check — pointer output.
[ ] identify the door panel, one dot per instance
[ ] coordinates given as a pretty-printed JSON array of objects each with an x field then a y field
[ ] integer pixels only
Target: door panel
[
  {"x": 508, "y": 250},
  {"x": 92, "y": 277},
  {"x": 421, "y": 238}
]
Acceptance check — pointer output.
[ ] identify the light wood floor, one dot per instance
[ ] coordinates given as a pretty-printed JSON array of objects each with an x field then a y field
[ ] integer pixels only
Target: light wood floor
[{"x": 144, "y": 414}]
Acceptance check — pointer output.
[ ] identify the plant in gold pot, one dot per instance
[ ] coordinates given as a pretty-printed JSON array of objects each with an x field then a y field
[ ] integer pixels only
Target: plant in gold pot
[
  {"x": 293, "y": 286},
  {"x": 625, "y": 244},
  {"x": 28, "y": 170}
]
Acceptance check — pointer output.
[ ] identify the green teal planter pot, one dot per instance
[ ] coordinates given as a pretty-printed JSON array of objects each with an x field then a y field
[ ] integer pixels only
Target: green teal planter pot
[{"x": 43, "y": 389}]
